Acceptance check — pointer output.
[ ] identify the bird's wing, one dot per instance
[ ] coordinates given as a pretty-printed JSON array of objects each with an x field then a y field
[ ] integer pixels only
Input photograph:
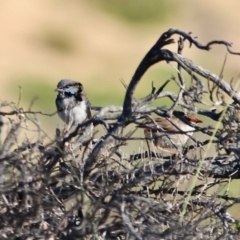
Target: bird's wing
[
  {"x": 82, "y": 96},
  {"x": 164, "y": 123}
]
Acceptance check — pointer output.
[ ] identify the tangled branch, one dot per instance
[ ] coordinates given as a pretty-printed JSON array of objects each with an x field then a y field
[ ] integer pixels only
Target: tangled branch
[{"x": 80, "y": 187}]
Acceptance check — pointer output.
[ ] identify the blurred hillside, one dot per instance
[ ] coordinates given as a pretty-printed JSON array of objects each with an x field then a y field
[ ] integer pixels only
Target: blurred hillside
[{"x": 101, "y": 42}]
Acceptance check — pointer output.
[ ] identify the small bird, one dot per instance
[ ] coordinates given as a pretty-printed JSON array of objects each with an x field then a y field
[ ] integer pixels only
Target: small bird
[
  {"x": 72, "y": 103},
  {"x": 167, "y": 133}
]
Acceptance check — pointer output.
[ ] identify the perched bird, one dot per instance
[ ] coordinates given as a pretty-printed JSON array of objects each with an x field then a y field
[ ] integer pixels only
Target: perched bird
[
  {"x": 72, "y": 103},
  {"x": 167, "y": 133}
]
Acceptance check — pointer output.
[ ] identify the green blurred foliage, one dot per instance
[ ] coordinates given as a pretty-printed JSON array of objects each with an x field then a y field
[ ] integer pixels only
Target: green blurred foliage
[
  {"x": 102, "y": 93},
  {"x": 105, "y": 99},
  {"x": 36, "y": 91},
  {"x": 136, "y": 11}
]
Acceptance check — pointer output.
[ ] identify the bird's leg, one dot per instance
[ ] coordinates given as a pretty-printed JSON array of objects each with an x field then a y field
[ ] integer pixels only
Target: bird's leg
[{"x": 149, "y": 152}]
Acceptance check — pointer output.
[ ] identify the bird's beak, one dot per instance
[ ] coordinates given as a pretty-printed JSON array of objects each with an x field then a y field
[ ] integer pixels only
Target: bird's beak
[{"x": 58, "y": 90}]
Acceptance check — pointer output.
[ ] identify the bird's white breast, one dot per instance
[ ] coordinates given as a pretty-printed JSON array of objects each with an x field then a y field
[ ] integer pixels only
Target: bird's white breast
[{"x": 73, "y": 115}]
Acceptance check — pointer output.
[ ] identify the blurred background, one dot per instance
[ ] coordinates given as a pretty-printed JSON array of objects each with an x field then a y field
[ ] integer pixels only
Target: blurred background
[{"x": 101, "y": 42}]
